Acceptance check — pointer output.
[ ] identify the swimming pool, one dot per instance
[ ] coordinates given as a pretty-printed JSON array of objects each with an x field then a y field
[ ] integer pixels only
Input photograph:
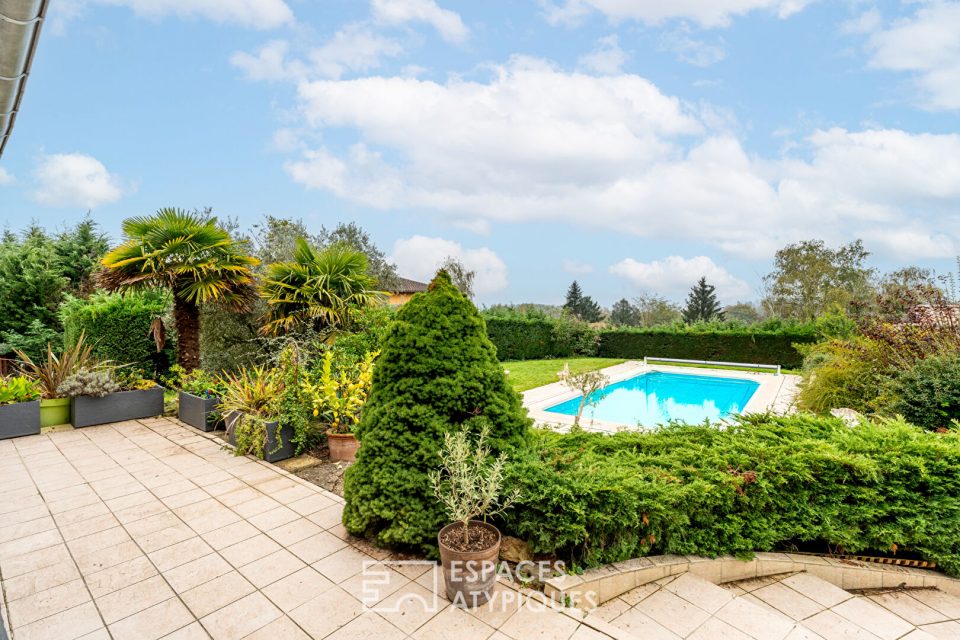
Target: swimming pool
[{"x": 658, "y": 397}]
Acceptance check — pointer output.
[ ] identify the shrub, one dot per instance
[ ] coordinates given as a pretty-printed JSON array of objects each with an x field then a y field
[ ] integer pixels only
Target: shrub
[
  {"x": 14, "y": 389},
  {"x": 841, "y": 373},
  {"x": 96, "y": 384},
  {"x": 928, "y": 394},
  {"x": 767, "y": 483},
  {"x": 536, "y": 336},
  {"x": 727, "y": 342},
  {"x": 119, "y": 328},
  {"x": 438, "y": 372}
]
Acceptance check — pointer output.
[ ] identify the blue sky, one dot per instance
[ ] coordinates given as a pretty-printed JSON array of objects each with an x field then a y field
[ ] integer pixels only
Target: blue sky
[{"x": 632, "y": 144}]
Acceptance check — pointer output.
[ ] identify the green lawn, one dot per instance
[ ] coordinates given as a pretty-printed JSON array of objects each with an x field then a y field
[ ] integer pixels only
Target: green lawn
[{"x": 529, "y": 374}]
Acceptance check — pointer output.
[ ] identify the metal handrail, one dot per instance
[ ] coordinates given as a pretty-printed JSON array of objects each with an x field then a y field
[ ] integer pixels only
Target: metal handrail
[{"x": 743, "y": 365}]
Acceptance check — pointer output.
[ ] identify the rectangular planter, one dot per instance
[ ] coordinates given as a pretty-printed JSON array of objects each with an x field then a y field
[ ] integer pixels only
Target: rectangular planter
[
  {"x": 198, "y": 412},
  {"x": 286, "y": 439},
  {"x": 21, "y": 419},
  {"x": 116, "y": 407}
]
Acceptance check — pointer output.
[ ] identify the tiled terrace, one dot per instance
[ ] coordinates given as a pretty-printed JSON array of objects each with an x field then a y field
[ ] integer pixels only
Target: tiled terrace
[{"x": 150, "y": 529}]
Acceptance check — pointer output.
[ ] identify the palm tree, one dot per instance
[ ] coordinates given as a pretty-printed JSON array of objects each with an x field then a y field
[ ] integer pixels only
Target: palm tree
[
  {"x": 317, "y": 288},
  {"x": 194, "y": 257}
]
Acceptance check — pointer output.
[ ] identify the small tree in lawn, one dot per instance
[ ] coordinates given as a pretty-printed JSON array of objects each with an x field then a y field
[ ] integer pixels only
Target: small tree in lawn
[
  {"x": 702, "y": 304},
  {"x": 587, "y": 383},
  {"x": 469, "y": 483}
]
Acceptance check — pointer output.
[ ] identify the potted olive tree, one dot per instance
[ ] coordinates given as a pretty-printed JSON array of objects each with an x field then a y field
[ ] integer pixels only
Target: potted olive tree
[
  {"x": 252, "y": 404},
  {"x": 19, "y": 407},
  {"x": 51, "y": 372},
  {"x": 468, "y": 485},
  {"x": 337, "y": 399},
  {"x": 103, "y": 395},
  {"x": 198, "y": 398}
]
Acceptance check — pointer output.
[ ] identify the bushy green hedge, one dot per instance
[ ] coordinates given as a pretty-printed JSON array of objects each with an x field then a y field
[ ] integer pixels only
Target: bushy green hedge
[
  {"x": 118, "y": 328},
  {"x": 765, "y": 484},
  {"x": 705, "y": 342},
  {"x": 521, "y": 338}
]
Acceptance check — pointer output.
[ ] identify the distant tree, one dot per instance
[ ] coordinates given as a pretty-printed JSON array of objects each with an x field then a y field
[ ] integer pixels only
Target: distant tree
[
  {"x": 353, "y": 236},
  {"x": 809, "y": 276},
  {"x": 460, "y": 275},
  {"x": 79, "y": 251},
  {"x": 275, "y": 239},
  {"x": 623, "y": 314},
  {"x": 745, "y": 312},
  {"x": 581, "y": 306},
  {"x": 702, "y": 304},
  {"x": 654, "y": 310}
]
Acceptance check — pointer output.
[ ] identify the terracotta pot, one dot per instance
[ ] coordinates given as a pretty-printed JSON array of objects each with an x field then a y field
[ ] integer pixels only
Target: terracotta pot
[
  {"x": 343, "y": 446},
  {"x": 470, "y": 576}
]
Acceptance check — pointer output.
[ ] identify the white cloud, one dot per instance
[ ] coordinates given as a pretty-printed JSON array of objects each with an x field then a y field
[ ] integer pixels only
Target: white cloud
[
  {"x": 607, "y": 58},
  {"x": 686, "y": 48},
  {"x": 419, "y": 257},
  {"x": 576, "y": 267},
  {"x": 269, "y": 63},
  {"x": 447, "y": 23},
  {"x": 535, "y": 143},
  {"x": 927, "y": 46},
  {"x": 706, "y": 13},
  {"x": 76, "y": 180},
  {"x": 673, "y": 276},
  {"x": 6, "y": 178},
  {"x": 256, "y": 14},
  {"x": 867, "y": 22},
  {"x": 907, "y": 244}
]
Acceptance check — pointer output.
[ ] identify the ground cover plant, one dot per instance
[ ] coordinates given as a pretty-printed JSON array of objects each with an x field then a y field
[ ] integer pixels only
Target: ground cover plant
[{"x": 768, "y": 483}]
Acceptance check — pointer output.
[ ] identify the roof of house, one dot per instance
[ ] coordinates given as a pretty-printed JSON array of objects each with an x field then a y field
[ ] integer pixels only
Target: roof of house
[{"x": 406, "y": 285}]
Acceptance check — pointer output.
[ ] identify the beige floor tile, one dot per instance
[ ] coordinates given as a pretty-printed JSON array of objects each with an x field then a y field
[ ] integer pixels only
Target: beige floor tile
[
  {"x": 120, "y": 576},
  {"x": 298, "y": 588},
  {"x": 904, "y": 605},
  {"x": 180, "y": 553},
  {"x": 186, "y": 498},
  {"x": 34, "y": 560},
  {"x": 133, "y": 599},
  {"x": 83, "y": 513},
  {"x": 945, "y": 603},
  {"x": 641, "y": 593},
  {"x": 583, "y": 632},
  {"x": 610, "y": 610},
  {"x": 754, "y": 621},
  {"x": 832, "y": 626},
  {"x": 503, "y": 604},
  {"x": 240, "y": 619},
  {"x": 943, "y": 630},
  {"x": 97, "y": 541},
  {"x": 343, "y": 564},
  {"x": 326, "y": 613},
  {"x": 714, "y": 629},
  {"x": 673, "y": 612},
  {"x": 874, "y": 618},
  {"x": 216, "y": 594},
  {"x": 329, "y": 517},
  {"x": 196, "y": 572},
  {"x": 152, "y": 523},
  {"x": 374, "y": 583},
  {"x": 368, "y": 626},
  {"x": 788, "y": 601},
  {"x": 141, "y": 512},
  {"x": 697, "y": 591},
  {"x": 534, "y": 620},
  {"x": 273, "y": 518},
  {"x": 230, "y": 534},
  {"x": 29, "y": 544},
  {"x": 311, "y": 504},
  {"x": 255, "y": 506},
  {"x": 194, "y": 631},
  {"x": 269, "y": 569},
  {"x": 156, "y": 622},
  {"x": 453, "y": 623},
  {"x": 131, "y": 500},
  {"x": 295, "y": 531},
  {"x": 317, "y": 547},
  {"x": 820, "y": 591},
  {"x": 640, "y": 625},
  {"x": 47, "y": 603},
  {"x": 802, "y": 633},
  {"x": 280, "y": 629},
  {"x": 89, "y": 526},
  {"x": 68, "y": 625},
  {"x": 95, "y": 561},
  {"x": 165, "y": 537},
  {"x": 410, "y": 608},
  {"x": 40, "y": 580}
]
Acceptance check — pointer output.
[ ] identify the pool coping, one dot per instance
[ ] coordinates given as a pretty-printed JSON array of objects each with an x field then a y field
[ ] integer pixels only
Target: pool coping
[{"x": 771, "y": 392}]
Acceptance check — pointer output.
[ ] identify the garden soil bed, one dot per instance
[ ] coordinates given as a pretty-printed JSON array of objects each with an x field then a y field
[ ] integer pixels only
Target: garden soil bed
[
  {"x": 479, "y": 539},
  {"x": 326, "y": 474}
]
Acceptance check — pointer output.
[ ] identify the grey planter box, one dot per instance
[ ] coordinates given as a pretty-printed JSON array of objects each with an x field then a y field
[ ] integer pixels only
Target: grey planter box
[
  {"x": 198, "y": 412},
  {"x": 286, "y": 440},
  {"x": 116, "y": 407},
  {"x": 21, "y": 419}
]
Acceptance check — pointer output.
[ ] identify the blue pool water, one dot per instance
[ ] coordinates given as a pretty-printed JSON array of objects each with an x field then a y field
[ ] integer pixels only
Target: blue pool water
[{"x": 657, "y": 397}]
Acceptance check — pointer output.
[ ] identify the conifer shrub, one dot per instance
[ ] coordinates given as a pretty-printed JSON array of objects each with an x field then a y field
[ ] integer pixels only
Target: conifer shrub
[{"x": 437, "y": 373}]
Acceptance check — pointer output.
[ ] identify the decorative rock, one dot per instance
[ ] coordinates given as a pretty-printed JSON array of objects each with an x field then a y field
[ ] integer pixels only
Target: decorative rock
[
  {"x": 850, "y": 417},
  {"x": 514, "y": 550}
]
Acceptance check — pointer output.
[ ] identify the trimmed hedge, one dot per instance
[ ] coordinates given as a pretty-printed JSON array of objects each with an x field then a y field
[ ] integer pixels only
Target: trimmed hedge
[
  {"x": 742, "y": 345},
  {"x": 519, "y": 338},
  {"x": 768, "y": 483},
  {"x": 118, "y": 327}
]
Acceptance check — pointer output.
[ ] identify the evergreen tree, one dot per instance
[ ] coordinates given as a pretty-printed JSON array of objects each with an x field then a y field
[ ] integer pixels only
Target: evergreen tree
[
  {"x": 574, "y": 298},
  {"x": 702, "y": 304},
  {"x": 438, "y": 372},
  {"x": 623, "y": 314},
  {"x": 582, "y": 307}
]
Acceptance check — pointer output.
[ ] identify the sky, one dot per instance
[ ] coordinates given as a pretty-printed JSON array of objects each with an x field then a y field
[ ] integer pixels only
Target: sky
[{"x": 633, "y": 145}]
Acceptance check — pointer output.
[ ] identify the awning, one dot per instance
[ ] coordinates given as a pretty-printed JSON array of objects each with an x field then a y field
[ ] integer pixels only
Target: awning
[{"x": 20, "y": 22}]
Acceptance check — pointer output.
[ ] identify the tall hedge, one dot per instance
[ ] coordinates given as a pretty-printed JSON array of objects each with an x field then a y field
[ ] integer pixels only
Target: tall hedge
[
  {"x": 744, "y": 345},
  {"x": 118, "y": 328},
  {"x": 437, "y": 372},
  {"x": 884, "y": 487}
]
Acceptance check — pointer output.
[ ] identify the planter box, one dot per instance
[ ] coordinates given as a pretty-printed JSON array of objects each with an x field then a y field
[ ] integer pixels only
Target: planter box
[
  {"x": 54, "y": 411},
  {"x": 116, "y": 407},
  {"x": 21, "y": 419},
  {"x": 199, "y": 412},
  {"x": 286, "y": 440}
]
